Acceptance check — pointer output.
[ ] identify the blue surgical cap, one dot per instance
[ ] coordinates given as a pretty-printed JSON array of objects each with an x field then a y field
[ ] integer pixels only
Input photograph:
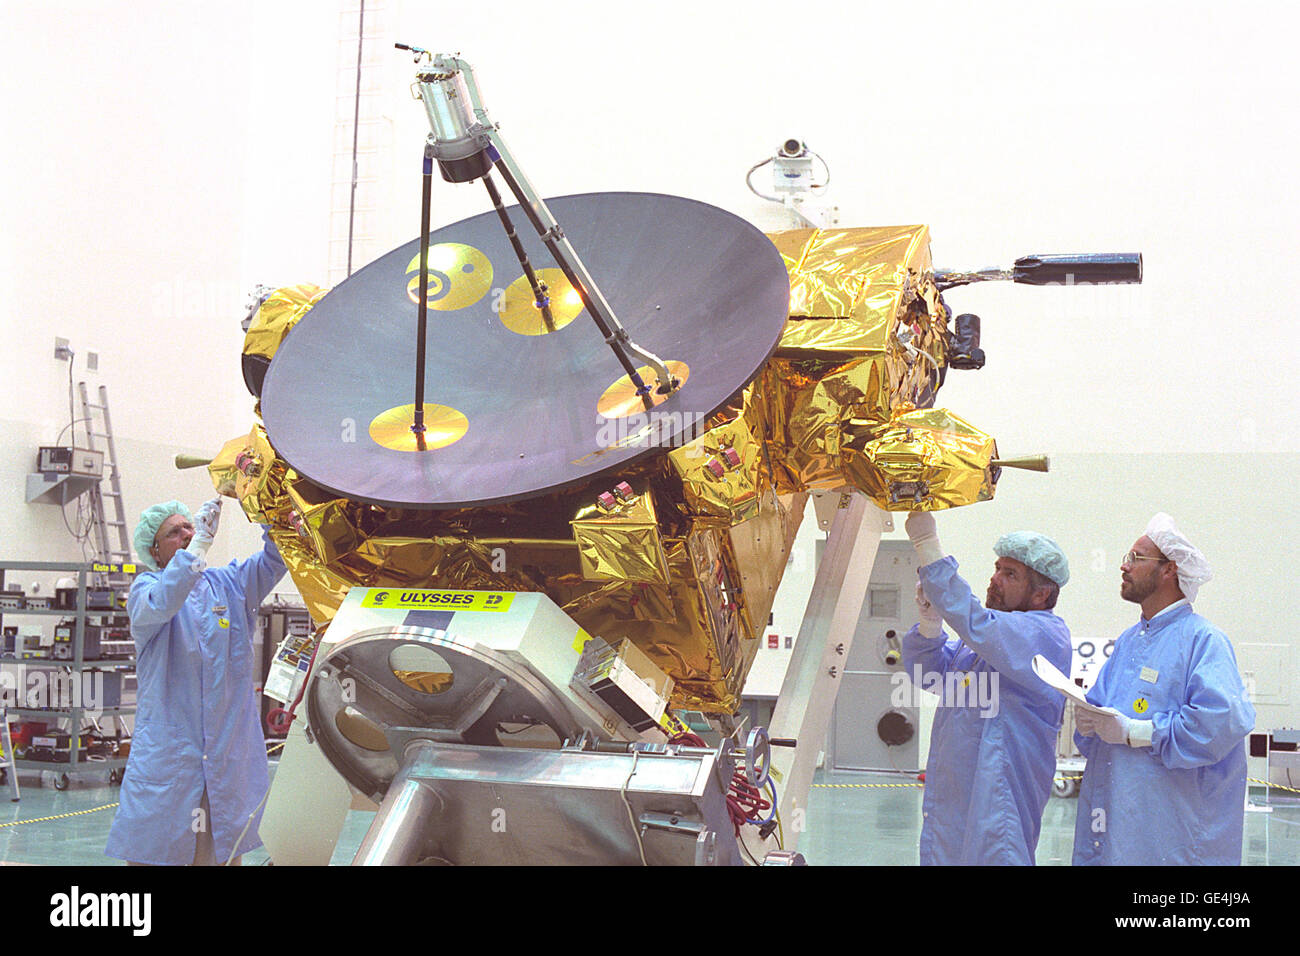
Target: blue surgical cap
[
  {"x": 151, "y": 520},
  {"x": 1036, "y": 551}
]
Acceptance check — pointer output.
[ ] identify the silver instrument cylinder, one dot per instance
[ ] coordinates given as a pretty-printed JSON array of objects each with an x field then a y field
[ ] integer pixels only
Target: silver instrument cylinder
[{"x": 455, "y": 141}]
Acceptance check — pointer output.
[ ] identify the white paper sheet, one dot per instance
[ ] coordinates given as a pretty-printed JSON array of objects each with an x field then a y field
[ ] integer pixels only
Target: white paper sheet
[{"x": 1052, "y": 677}]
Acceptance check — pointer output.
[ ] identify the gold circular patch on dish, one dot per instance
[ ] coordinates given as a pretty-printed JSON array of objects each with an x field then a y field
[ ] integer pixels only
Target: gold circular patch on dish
[
  {"x": 519, "y": 310},
  {"x": 443, "y": 426},
  {"x": 459, "y": 275},
  {"x": 621, "y": 399}
]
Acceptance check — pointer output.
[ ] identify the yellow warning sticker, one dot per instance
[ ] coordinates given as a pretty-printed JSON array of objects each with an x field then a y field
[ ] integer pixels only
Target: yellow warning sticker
[
  {"x": 1140, "y": 705},
  {"x": 408, "y": 599},
  {"x": 672, "y": 724},
  {"x": 581, "y": 640}
]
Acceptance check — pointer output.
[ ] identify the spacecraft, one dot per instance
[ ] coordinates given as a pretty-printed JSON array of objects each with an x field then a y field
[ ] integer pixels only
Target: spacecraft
[{"x": 538, "y": 490}]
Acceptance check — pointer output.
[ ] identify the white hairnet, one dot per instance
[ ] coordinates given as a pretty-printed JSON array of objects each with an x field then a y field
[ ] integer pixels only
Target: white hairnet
[{"x": 1193, "y": 569}]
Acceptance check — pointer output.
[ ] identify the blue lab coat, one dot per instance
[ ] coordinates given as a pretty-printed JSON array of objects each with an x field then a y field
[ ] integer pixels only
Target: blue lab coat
[
  {"x": 987, "y": 777},
  {"x": 1181, "y": 800},
  {"x": 198, "y": 722}
]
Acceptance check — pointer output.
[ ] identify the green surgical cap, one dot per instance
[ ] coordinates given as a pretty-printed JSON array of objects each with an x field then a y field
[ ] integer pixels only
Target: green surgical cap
[
  {"x": 1036, "y": 551},
  {"x": 151, "y": 520}
]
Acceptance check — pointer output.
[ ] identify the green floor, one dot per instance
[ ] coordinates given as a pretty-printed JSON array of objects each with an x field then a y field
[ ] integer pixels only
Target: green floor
[{"x": 852, "y": 819}]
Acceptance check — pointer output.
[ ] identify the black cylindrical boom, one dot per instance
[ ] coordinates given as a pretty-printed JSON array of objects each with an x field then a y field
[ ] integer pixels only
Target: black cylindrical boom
[{"x": 1097, "y": 269}]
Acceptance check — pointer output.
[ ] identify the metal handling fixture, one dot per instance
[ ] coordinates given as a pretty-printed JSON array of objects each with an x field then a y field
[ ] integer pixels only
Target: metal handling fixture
[{"x": 478, "y": 733}]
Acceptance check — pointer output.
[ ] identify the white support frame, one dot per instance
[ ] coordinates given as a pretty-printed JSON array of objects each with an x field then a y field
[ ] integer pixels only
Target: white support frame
[{"x": 807, "y": 699}]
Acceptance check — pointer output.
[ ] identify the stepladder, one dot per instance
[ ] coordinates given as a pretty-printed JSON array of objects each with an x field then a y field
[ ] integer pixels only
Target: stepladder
[{"x": 112, "y": 539}]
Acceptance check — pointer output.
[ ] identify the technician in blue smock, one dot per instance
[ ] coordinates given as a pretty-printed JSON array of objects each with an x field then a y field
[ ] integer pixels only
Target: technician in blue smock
[
  {"x": 990, "y": 769},
  {"x": 197, "y": 768},
  {"x": 1165, "y": 781}
]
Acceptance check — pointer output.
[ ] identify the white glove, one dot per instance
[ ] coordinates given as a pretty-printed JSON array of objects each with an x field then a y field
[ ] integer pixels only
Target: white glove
[
  {"x": 205, "y": 529},
  {"x": 199, "y": 545},
  {"x": 1085, "y": 722},
  {"x": 1139, "y": 732},
  {"x": 924, "y": 534},
  {"x": 1109, "y": 726},
  {"x": 205, "y": 522},
  {"x": 931, "y": 624},
  {"x": 1113, "y": 727}
]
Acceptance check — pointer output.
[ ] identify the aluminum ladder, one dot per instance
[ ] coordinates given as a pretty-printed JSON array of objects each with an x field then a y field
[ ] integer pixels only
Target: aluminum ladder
[{"x": 101, "y": 426}]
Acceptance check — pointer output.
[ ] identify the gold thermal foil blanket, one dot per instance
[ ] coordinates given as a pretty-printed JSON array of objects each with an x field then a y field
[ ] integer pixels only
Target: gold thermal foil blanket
[
  {"x": 924, "y": 460},
  {"x": 622, "y": 545},
  {"x": 720, "y": 472},
  {"x": 222, "y": 469},
  {"x": 690, "y": 619},
  {"x": 414, "y": 562},
  {"x": 802, "y": 407},
  {"x": 321, "y": 588},
  {"x": 692, "y": 628},
  {"x": 760, "y": 548},
  {"x": 280, "y": 312},
  {"x": 330, "y": 545},
  {"x": 248, "y": 469},
  {"x": 849, "y": 288},
  {"x": 866, "y": 337},
  {"x": 330, "y": 524}
]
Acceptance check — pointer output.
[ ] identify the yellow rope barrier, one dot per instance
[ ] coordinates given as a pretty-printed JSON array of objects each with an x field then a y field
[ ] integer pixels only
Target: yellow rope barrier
[
  {"x": 77, "y": 813},
  {"x": 59, "y": 816},
  {"x": 1061, "y": 776},
  {"x": 1275, "y": 786},
  {"x": 1262, "y": 783},
  {"x": 852, "y": 785}
]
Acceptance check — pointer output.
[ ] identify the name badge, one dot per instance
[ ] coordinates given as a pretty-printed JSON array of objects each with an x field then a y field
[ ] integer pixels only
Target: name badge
[{"x": 1148, "y": 675}]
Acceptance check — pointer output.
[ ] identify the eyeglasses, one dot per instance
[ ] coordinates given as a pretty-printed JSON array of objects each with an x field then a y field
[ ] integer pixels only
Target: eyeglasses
[
  {"x": 1133, "y": 558},
  {"x": 176, "y": 531}
]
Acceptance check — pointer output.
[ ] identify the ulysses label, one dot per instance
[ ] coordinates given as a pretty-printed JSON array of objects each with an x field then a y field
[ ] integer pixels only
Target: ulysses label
[{"x": 440, "y": 600}]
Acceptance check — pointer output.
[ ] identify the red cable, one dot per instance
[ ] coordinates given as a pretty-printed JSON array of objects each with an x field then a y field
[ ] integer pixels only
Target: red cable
[
  {"x": 745, "y": 802},
  {"x": 277, "y": 718}
]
